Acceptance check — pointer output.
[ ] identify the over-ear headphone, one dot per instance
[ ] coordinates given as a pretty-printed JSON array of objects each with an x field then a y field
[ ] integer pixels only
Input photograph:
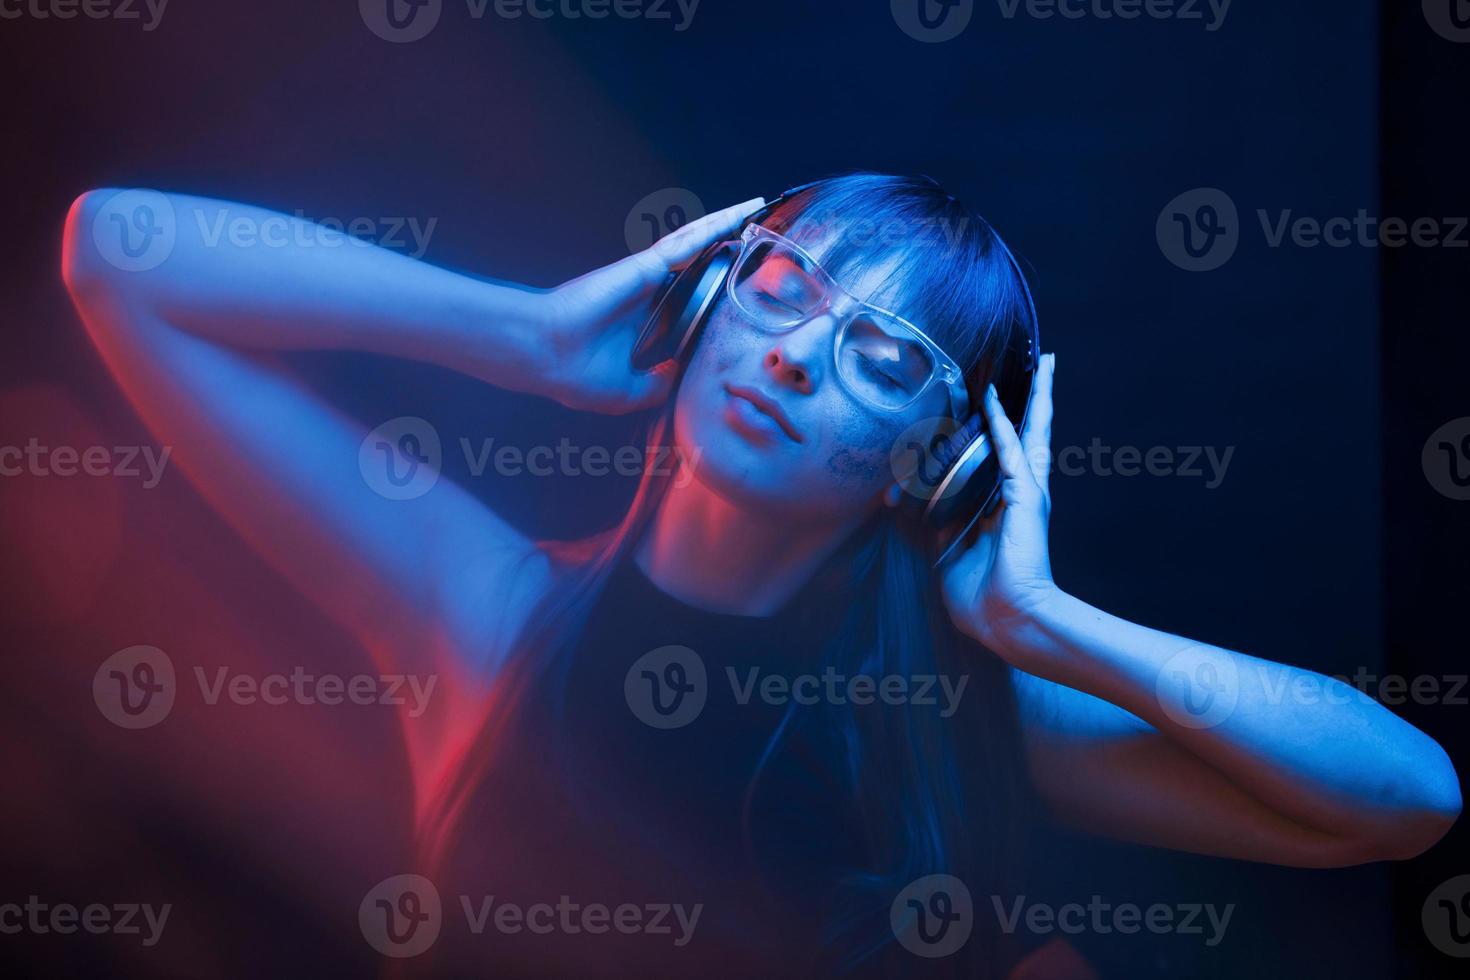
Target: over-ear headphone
[{"x": 957, "y": 474}]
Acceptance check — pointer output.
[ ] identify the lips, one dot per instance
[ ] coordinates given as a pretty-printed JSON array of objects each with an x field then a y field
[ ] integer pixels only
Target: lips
[{"x": 766, "y": 407}]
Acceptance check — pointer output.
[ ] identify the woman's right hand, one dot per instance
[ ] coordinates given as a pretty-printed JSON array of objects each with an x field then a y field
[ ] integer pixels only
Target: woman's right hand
[{"x": 593, "y": 321}]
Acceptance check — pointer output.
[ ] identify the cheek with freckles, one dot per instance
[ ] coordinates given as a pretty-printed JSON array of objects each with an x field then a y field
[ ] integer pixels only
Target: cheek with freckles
[
  {"x": 852, "y": 457},
  {"x": 725, "y": 343},
  {"x": 840, "y": 468},
  {"x": 857, "y": 469}
]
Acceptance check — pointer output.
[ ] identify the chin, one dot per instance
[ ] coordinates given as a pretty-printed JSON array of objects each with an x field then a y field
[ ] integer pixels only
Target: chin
[{"x": 726, "y": 463}]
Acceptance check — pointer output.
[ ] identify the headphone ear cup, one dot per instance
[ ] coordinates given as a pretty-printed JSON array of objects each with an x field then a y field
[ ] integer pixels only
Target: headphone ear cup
[
  {"x": 969, "y": 474},
  {"x": 678, "y": 317}
]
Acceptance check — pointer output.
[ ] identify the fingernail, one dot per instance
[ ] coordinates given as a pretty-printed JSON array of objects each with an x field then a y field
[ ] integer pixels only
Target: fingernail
[{"x": 990, "y": 392}]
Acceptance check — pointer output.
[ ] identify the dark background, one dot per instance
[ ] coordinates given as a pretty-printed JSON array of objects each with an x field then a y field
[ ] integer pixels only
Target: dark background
[{"x": 1325, "y": 368}]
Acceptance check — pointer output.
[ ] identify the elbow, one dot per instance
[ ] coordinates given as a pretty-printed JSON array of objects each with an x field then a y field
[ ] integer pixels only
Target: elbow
[
  {"x": 107, "y": 239},
  {"x": 83, "y": 269},
  {"x": 1434, "y": 822},
  {"x": 78, "y": 253},
  {"x": 1429, "y": 806}
]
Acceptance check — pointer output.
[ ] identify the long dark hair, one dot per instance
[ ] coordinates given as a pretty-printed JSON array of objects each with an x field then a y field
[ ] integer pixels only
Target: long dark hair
[{"x": 934, "y": 795}]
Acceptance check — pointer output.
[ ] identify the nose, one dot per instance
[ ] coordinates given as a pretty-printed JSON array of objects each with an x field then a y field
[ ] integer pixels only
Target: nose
[{"x": 796, "y": 359}]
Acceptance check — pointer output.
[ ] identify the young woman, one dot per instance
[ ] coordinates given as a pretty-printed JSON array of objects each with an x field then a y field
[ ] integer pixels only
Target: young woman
[{"x": 777, "y": 548}]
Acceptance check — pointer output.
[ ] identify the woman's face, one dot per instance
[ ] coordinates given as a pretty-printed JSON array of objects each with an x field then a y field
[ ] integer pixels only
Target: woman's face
[{"x": 834, "y": 462}]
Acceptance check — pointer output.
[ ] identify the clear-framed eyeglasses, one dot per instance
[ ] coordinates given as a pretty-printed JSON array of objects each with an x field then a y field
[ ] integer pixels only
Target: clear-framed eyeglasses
[{"x": 880, "y": 357}]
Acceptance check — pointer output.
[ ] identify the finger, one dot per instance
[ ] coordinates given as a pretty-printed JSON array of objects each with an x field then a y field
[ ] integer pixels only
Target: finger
[
  {"x": 1036, "y": 436},
  {"x": 681, "y": 246},
  {"x": 1016, "y": 475},
  {"x": 633, "y": 278}
]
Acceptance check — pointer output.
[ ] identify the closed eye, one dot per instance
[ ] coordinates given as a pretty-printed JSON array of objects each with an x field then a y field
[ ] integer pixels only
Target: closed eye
[
  {"x": 871, "y": 369},
  {"x": 774, "y": 300}
]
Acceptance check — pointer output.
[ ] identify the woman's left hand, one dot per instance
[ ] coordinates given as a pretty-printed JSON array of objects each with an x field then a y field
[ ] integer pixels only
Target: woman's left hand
[{"x": 993, "y": 587}]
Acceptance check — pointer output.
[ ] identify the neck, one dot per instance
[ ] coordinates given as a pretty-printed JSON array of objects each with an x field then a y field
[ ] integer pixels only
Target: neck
[{"x": 713, "y": 554}]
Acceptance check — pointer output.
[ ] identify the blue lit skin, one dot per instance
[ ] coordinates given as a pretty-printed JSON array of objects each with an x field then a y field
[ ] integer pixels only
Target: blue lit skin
[
  {"x": 840, "y": 470},
  {"x": 1333, "y": 782}
]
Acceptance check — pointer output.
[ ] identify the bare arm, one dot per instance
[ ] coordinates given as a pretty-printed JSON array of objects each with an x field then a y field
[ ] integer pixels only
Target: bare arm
[
  {"x": 1150, "y": 737},
  {"x": 190, "y": 342},
  {"x": 1324, "y": 779},
  {"x": 433, "y": 583}
]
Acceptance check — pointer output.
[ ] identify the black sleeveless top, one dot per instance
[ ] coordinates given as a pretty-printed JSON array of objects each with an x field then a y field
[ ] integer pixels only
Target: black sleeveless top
[
  {"x": 715, "y": 770},
  {"x": 629, "y": 779}
]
